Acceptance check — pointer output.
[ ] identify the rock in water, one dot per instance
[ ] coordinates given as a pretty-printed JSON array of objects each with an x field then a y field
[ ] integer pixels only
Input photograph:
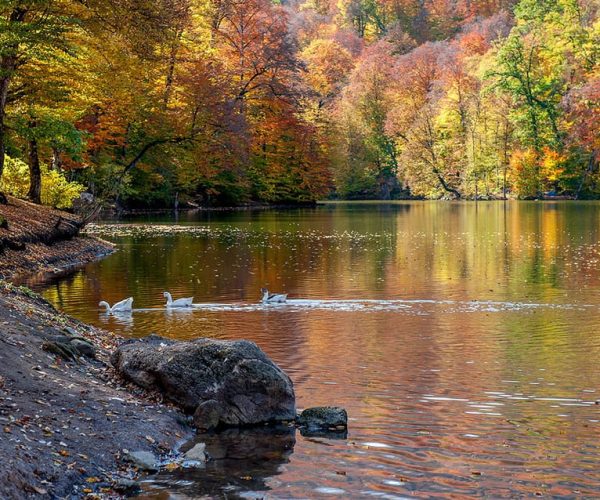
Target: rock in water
[
  {"x": 222, "y": 383},
  {"x": 323, "y": 418},
  {"x": 143, "y": 460},
  {"x": 197, "y": 453}
]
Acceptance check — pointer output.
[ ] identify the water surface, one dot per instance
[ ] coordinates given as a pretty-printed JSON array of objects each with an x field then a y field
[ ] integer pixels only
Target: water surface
[{"x": 462, "y": 338}]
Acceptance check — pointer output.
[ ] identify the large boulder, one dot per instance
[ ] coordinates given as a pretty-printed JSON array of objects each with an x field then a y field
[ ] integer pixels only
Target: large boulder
[{"x": 222, "y": 383}]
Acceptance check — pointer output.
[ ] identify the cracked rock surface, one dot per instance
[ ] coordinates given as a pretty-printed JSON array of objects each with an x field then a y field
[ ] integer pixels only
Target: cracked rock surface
[{"x": 222, "y": 383}]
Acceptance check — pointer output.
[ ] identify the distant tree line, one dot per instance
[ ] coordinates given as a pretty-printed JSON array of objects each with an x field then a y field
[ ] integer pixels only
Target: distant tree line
[{"x": 144, "y": 102}]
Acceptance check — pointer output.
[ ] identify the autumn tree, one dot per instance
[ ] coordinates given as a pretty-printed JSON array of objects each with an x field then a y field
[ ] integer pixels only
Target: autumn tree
[
  {"x": 547, "y": 53},
  {"x": 29, "y": 30}
]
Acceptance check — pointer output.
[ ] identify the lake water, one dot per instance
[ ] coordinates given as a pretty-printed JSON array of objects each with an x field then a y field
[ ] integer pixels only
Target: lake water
[{"x": 463, "y": 339}]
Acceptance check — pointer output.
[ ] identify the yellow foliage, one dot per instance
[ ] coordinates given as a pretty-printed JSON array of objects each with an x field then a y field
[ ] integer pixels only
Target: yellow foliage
[
  {"x": 552, "y": 164},
  {"x": 525, "y": 173},
  {"x": 57, "y": 191},
  {"x": 328, "y": 65}
]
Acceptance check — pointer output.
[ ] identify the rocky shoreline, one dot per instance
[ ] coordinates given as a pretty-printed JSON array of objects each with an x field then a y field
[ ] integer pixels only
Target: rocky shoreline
[
  {"x": 65, "y": 422},
  {"x": 65, "y": 416}
]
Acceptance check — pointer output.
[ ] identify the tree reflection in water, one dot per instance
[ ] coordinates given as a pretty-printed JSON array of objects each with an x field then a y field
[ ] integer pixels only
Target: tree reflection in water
[{"x": 242, "y": 461}]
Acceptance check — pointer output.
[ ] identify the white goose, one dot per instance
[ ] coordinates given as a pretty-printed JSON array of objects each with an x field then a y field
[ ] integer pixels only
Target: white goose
[
  {"x": 270, "y": 298},
  {"x": 122, "y": 306},
  {"x": 184, "y": 302}
]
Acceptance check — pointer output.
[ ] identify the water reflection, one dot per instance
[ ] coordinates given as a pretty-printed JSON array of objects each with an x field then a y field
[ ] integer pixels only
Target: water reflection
[
  {"x": 122, "y": 319},
  {"x": 242, "y": 463},
  {"x": 462, "y": 339}
]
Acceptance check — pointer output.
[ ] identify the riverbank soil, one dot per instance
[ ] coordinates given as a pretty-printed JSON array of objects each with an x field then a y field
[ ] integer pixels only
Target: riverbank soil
[
  {"x": 65, "y": 422},
  {"x": 34, "y": 238},
  {"x": 65, "y": 419}
]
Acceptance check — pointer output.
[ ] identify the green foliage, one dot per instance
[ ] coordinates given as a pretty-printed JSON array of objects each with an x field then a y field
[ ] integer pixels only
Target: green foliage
[
  {"x": 57, "y": 191},
  {"x": 51, "y": 129}
]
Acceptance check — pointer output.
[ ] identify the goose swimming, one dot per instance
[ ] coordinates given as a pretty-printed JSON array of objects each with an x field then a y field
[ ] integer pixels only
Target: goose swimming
[
  {"x": 271, "y": 298},
  {"x": 184, "y": 302},
  {"x": 122, "y": 306}
]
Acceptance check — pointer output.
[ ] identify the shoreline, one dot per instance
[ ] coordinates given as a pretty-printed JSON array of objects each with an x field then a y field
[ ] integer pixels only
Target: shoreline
[
  {"x": 39, "y": 239},
  {"x": 67, "y": 423},
  {"x": 112, "y": 214}
]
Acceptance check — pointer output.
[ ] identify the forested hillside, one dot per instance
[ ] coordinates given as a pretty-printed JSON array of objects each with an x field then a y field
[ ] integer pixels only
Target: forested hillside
[{"x": 229, "y": 101}]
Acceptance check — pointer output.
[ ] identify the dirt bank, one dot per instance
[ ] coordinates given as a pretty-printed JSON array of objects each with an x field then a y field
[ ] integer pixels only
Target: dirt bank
[
  {"x": 64, "y": 424},
  {"x": 34, "y": 238}
]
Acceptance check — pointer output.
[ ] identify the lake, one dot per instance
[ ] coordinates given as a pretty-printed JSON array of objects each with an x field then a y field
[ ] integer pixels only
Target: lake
[{"x": 462, "y": 338}]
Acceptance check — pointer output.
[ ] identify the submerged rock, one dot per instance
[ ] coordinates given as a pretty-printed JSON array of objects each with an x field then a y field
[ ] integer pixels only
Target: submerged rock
[
  {"x": 339, "y": 434},
  {"x": 222, "y": 383},
  {"x": 324, "y": 418},
  {"x": 127, "y": 487}
]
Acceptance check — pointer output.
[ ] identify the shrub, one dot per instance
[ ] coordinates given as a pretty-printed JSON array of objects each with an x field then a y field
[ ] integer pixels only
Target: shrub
[
  {"x": 57, "y": 191},
  {"x": 15, "y": 178}
]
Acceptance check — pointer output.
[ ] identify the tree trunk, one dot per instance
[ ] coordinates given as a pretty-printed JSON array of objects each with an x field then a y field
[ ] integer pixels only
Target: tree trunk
[
  {"x": 3, "y": 94},
  {"x": 445, "y": 185},
  {"x": 586, "y": 173},
  {"x": 171, "y": 68},
  {"x": 384, "y": 189},
  {"x": 35, "y": 173},
  {"x": 8, "y": 64},
  {"x": 56, "y": 162}
]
